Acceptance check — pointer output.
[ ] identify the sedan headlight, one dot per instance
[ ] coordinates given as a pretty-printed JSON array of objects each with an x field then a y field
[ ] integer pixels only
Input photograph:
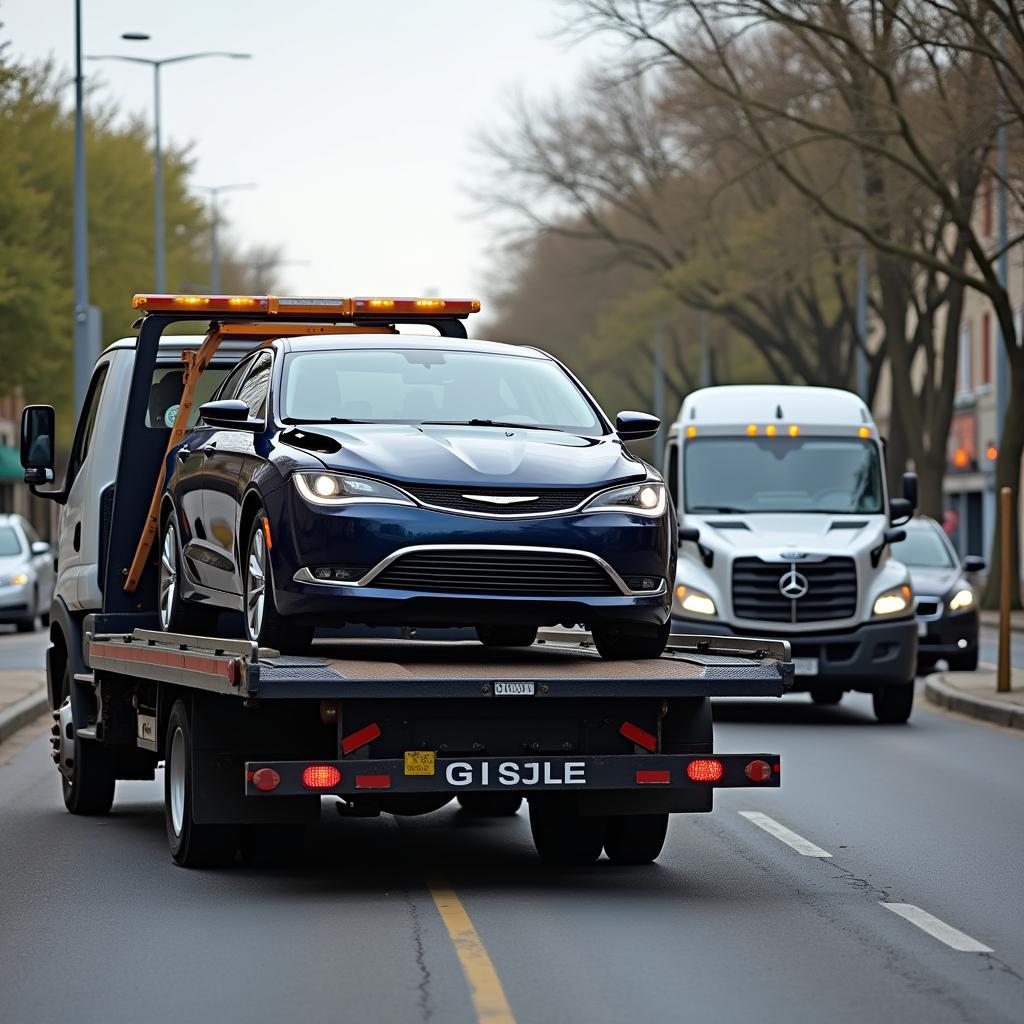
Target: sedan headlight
[
  {"x": 19, "y": 579},
  {"x": 694, "y": 602},
  {"x": 892, "y": 602},
  {"x": 646, "y": 499},
  {"x": 962, "y": 599},
  {"x": 344, "y": 489}
]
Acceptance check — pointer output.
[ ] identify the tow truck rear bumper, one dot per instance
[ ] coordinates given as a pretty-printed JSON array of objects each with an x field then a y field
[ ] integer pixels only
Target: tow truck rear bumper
[{"x": 421, "y": 772}]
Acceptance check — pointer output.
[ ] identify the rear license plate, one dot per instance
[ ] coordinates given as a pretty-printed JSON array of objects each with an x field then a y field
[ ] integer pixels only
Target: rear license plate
[
  {"x": 805, "y": 666},
  {"x": 922, "y": 629},
  {"x": 495, "y": 773},
  {"x": 514, "y": 689}
]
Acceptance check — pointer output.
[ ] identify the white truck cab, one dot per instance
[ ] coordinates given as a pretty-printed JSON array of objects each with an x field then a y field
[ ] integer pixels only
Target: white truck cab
[{"x": 785, "y": 532}]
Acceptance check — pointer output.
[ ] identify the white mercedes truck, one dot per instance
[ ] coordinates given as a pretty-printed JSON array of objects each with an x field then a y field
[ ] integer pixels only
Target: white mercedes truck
[{"x": 785, "y": 532}]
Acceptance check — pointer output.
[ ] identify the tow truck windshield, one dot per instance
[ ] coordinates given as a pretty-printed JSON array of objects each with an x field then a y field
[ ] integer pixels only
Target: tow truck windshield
[
  {"x": 786, "y": 474},
  {"x": 434, "y": 387}
]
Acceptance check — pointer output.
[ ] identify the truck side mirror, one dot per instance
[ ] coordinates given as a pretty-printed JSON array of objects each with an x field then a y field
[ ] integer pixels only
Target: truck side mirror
[
  {"x": 910, "y": 488},
  {"x": 900, "y": 511},
  {"x": 974, "y": 563},
  {"x": 689, "y": 533},
  {"x": 38, "y": 430},
  {"x": 635, "y": 426}
]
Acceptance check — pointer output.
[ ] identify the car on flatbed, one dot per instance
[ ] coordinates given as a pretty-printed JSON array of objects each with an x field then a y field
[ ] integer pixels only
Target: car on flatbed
[{"x": 251, "y": 739}]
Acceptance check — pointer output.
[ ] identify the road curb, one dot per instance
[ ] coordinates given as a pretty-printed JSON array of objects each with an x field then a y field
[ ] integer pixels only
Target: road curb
[
  {"x": 12, "y": 718},
  {"x": 999, "y": 712}
]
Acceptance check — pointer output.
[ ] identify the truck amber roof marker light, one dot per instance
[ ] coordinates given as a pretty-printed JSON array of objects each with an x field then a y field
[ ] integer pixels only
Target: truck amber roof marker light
[{"x": 321, "y": 306}]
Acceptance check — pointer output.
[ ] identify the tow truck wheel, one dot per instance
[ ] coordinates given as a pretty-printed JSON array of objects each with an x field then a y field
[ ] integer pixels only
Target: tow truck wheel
[
  {"x": 826, "y": 694},
  {"x": 635, "y": 838},
  {"x": 193, "y": 845},
  {"x": 561, "y": 835},
  {"x": 490, "y": 805},
  {"x": 893, "y": 704},
  {"x": 618, "y": 642},
  {"x": 86, "y": 767},
  {"x": 506, "y": 636}
]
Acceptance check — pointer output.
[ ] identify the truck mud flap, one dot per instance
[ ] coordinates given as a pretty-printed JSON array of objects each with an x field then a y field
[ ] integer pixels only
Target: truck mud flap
[{"x": 422, "y": 772}]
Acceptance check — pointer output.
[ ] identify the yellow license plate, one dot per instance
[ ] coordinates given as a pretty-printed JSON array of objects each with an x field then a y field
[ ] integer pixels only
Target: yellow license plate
[{"x": 419, "y": 762}]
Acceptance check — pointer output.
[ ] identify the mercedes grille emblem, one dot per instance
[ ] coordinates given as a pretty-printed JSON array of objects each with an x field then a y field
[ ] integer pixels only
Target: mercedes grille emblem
[{"x": 793, "y": 585}]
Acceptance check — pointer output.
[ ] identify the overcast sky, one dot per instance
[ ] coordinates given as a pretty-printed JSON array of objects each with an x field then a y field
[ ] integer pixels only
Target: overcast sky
[{"x": 357, "y": 118}]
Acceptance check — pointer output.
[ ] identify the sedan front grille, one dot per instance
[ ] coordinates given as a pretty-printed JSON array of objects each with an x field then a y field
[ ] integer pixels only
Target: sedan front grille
[
  {"x": 831, "y": 590},
  {"x": 524, "y": 501},
  {"x": 523, "y": 573}
]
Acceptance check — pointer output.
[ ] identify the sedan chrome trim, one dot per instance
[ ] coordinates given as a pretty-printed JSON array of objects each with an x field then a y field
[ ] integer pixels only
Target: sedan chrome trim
[{"x": 305, "y": 576}]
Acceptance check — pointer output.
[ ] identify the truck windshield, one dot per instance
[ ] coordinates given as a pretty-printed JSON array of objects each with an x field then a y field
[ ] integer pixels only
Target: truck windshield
[
  {"x": 923, "y": 548},
  {"x": 785, "y": 474},
  {"x": 433, "y": 386}
]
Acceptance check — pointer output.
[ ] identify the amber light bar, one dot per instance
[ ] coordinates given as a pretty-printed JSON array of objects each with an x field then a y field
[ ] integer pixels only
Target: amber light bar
[{"x": 321, "y": 307}]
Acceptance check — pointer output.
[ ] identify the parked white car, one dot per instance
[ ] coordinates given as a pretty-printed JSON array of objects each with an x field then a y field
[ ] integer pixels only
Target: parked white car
[{"x": 26, "y": 574}]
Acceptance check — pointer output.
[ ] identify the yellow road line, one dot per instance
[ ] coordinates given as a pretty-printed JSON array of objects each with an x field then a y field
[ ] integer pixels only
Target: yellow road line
[{"x": 484, "y": 986}]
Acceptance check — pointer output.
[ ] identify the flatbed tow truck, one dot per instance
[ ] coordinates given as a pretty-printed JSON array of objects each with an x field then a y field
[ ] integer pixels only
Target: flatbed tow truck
[{"x": 251, "y": 740}]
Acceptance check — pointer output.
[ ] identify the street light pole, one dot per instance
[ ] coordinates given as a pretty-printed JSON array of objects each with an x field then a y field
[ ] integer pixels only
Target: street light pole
[
  {"x": 159, "y": 235},
  {"x": 215, "y": 191},
  {"x": 82, "y": 363}
]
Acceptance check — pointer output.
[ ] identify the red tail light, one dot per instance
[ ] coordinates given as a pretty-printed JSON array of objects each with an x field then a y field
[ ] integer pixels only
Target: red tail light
[
  {"x": 705, "y": 769},
  {"x": 758, "y": 771},
  {"x": 320, "y": 776},
  {"x": 266, "y": 779}
]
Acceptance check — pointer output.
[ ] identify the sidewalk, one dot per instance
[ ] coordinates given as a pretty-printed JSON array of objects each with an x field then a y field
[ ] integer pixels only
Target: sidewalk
[
  {"x": 974, "y": 694},
  {"x": 991, "y": 619},
  {"x": 22, "y": 698}
]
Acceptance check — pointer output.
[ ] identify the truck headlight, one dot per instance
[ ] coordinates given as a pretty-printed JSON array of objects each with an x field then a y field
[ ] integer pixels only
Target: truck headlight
[
  {"x": 892, "y": 602},
  {"x": 694, "y": 601},
  {"x": 961, "y": 599},
  {"x": 19, "y": 579},
  {"x": 646, "y": 499},
  {"x": 345, "y": 489}
]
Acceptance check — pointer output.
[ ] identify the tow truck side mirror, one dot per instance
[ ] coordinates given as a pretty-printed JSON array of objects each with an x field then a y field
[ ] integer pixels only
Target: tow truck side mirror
[
  {"x": 229, "y": 413},
  {"x": 974, "y": 563},
  {"x": 910, "y": 488},
  {"x": 635, "y": 426},
  {"x": 689, "y": 533},
  {"x": 37, "y": 443}
]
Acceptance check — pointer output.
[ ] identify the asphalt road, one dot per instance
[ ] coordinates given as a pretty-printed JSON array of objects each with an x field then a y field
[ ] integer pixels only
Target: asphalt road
[{"x": 731, "y": 924}]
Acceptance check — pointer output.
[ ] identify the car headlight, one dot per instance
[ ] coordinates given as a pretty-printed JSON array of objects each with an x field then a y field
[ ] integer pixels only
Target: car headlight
[
  {"x": 19, "y": 579},
  {"x": 963, "y": 598},
  {"x": 344, "y": 489},
  {"x": 694, "y": 602},
  {"x": 646, "y": 499},
  {"x": 892, "y": 602}
]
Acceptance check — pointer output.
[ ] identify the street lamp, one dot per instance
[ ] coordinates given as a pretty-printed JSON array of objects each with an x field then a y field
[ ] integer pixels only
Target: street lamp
[
  {"x": 215, "y": 191},
  {"x": 159, "y": 258}
]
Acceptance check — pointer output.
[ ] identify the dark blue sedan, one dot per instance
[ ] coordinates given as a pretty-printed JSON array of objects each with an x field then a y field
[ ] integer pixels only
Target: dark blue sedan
[{"x": 389, "y": 479}]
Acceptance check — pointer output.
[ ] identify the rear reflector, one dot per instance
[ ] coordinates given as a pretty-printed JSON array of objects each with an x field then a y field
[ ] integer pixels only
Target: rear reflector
[
  {"x": 360, "y": 738},
  {"x": 653, "y": 778},
  {"x": 320, "y": 776},
  {"x": 373, "y": 782},
  {"x": 639, "y": 736},
  {"x": 266, "y": 779},
  {"x": 758, "y": 771},
  {"x": 705, "y": 769}
]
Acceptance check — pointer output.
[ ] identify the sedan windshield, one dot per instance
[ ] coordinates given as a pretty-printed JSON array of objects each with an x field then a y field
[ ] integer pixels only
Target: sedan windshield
[
  {"x": 10, "y": 544},
  {"x": 785, "y": 474},
  {"x": 923, "y": 549},
  {"x": 433, "y": 386}
]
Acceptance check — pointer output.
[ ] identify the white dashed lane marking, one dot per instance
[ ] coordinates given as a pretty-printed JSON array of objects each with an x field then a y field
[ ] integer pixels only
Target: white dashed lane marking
[
  {"x": 785, "y": 835},
  {"x": 952, "y": 937}
]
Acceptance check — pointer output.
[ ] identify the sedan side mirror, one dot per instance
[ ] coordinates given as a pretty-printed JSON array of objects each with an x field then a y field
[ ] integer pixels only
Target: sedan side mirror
[
  {"x": 974, "y": 563},
  {"x": 229, "y": 413},
  {"x": 37, "y": 443},
  {"x": 635, "y": 426},
  {"x": 40, "y": 547}
]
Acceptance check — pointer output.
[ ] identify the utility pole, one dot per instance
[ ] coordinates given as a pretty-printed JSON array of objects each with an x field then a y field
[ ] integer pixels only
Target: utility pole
[
  {"x": 862, "y": 290},
  {"x": 215, "y": 191},
  {"x": 83, "y": 357}
]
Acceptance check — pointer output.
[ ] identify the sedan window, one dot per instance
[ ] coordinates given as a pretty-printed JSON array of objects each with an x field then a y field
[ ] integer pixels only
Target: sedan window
[
  {"x": 434, "y": 386},
  {"x": 923, "y": 548},
  {"x": 255, "y": 387},
  {"x": 10, "y": 542}
]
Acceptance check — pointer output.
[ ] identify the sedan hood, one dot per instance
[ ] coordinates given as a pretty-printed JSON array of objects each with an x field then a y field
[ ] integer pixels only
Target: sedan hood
[
  {"x": 934, "y": 582},
  {"x": 11, "y": 564},
  {"x": 475, "y": 456}
]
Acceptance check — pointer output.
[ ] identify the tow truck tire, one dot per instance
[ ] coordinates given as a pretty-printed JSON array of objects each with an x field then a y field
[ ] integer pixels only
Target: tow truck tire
[
  {"x": 826, "y": 695},
  {"x": 616, "y": 642},
  {"x": 893, "y": 704},
  {"x": 562, "y": 836},
  {"x": 90, "y": 789},
  {"x": 636, "y": 838},
  {"x": 271, "y": 846},
  {"x": 193, "y": 845},
  {"x": 506, "y": 636},
  {"x": 490, "y": 805}
]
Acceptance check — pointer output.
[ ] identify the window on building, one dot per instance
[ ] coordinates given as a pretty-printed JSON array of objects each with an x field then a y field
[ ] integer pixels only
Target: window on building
[
  {"x": 963, "y": 370},
  {"x": 986, "y": 348}
]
